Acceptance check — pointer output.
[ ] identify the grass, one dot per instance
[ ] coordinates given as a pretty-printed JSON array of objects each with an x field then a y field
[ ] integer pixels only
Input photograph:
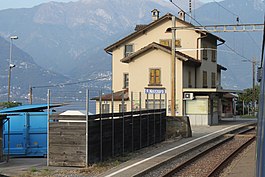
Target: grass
[
  {"x": 32, "y": 172},
  {"x": 248, "y": 116}
]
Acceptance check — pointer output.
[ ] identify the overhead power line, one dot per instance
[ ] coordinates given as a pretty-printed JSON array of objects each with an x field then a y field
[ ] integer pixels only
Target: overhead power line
[
  {"x": 71, "y": 83},
  {"x": 208, "y": 31},
  {"x": 237, "y": 20},
  {"x": 226, "y": 8}
]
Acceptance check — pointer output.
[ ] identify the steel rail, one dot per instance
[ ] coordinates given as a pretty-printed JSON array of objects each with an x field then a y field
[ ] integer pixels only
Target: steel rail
[
  {"x": 196, "y": 157},
  {"x": 229, "y": 158},
  {"x": 221, "y": 165},
  {"x": 186, "y": 153}
]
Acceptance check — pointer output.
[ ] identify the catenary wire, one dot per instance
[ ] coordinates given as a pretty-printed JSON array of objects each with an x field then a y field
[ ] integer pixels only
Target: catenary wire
[
  {"x": 208, "y": 31},
  {"x": 72, "y": 83},
  {"x": 219, "y": 4}
]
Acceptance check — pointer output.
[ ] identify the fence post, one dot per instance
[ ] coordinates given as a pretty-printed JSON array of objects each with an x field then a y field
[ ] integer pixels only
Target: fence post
[
  {"x": 87, "y": 127},
  {"x": 123, "y": 123},
  {"x": 166, "y": 103},
  {"x": 160, "y": 114},
  {"x": 113, "y": 128},
  {"x": 154, "y": 118},
  {"x": 147, "y": 117},
  {"x": 8, "y": 143},
  {"x": 140, "y": 109},
  {"x": 48, "y": 124},
  {"x": 101, "y": 134},
  {"x": 132, "y": 119}
]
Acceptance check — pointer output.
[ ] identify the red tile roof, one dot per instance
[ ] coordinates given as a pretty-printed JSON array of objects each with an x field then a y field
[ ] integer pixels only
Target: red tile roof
[{"x": 117, "y": 96}]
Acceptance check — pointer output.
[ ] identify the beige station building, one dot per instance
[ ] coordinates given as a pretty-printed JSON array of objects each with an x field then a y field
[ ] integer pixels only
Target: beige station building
[{"x": 144, "y": 75}]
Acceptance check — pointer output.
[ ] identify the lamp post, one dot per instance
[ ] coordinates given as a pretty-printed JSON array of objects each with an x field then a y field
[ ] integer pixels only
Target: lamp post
[{"x": 10, "y": 65}]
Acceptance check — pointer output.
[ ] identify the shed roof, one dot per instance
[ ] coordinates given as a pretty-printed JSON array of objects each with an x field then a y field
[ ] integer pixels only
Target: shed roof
[{"x": 29, "y": 108}]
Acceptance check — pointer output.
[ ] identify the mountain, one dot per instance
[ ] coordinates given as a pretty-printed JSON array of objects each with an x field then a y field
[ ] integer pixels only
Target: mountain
[
  {"x": 26, "y": 73},
  {"x": 69, "y": 38}
]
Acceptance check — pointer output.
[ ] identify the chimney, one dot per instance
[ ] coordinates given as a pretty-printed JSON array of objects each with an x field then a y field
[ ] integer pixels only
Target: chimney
[
  {"x": 182, "y": 15},
  {"x": 155, "y": 14}
]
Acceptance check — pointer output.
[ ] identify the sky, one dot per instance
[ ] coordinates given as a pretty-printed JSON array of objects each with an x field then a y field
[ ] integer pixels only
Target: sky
[{"x": 6, "y": 4}]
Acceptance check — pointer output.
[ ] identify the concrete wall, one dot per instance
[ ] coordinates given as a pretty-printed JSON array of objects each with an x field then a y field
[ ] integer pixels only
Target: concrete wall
[{"x": 203, "y": 119}]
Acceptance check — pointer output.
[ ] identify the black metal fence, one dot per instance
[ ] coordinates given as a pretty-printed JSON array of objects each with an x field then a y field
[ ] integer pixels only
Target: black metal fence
[
  {"x": 119, "y": 133},
  {"x": 108, "y": 135}
]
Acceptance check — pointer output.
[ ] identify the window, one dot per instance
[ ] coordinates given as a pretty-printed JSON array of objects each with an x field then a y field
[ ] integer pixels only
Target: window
[
  {"x": 154, "y": 78},
  {"x": 125, "y": 80},
  {"x": 204, "y": 52},
  {"x": 214, "y": 55},
  {"x": 189, "y": 79},
  {"x": 124, "y": 108},
  {"x": 154, "y": 104},
  {"x": 128, "y": 50},
  {"x": 213, "y": 80},
  {"x": 204, "y": 79},
  {"x": 168, "y": 42},
  {"x": 105, "y": 108}
]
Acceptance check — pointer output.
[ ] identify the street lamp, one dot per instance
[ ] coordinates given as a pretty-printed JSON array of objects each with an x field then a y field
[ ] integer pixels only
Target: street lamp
[{"x": 10, "y": 65}]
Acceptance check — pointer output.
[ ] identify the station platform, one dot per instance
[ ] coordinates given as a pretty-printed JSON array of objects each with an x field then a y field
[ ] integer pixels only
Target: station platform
[{"x": 170, "y": 148}]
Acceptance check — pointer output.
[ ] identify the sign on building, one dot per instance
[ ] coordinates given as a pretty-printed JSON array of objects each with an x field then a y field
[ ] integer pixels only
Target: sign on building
[{"x": 155, "y": 91}]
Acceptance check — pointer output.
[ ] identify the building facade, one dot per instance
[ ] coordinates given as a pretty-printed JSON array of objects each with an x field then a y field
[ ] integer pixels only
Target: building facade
[{"x": 143, "y": 78}]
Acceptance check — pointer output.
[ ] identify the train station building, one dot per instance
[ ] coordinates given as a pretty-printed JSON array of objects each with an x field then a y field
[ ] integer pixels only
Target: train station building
[{"x": 143, "y": 76}]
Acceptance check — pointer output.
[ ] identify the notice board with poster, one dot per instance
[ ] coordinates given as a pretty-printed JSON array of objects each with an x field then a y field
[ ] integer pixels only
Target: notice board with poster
[{"x": 197, "y": 106}]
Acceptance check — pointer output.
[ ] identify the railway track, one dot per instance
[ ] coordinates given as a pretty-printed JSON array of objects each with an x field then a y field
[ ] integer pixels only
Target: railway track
[{"x": 207, "y": 160}]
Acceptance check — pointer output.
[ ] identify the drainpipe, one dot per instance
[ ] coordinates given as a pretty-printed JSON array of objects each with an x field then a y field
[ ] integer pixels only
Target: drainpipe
[{"x": 197, "y": 55}]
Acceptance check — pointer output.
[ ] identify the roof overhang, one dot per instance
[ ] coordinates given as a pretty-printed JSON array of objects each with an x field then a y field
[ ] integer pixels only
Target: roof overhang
[
  {"x": 153, "y": 46},
  {"x": 220, "y": 67},
  {"x": 30, "y": 108},
  {"x": 143, "y": 30},
  {"x": 210, "y": 90}
]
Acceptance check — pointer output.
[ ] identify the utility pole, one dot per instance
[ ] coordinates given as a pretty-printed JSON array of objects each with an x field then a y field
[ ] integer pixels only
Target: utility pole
[
  {"x": 173, "y": 68},
  {"x": 30, "y": 95},
  {"x": 253, "y": 85}
]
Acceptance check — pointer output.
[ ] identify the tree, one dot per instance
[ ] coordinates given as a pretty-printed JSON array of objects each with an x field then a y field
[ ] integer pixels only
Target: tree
[
  {"x": 247, "y": 94},
  {"x": 247, "y": 97},
  {"x": 4, "y": 105}
]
